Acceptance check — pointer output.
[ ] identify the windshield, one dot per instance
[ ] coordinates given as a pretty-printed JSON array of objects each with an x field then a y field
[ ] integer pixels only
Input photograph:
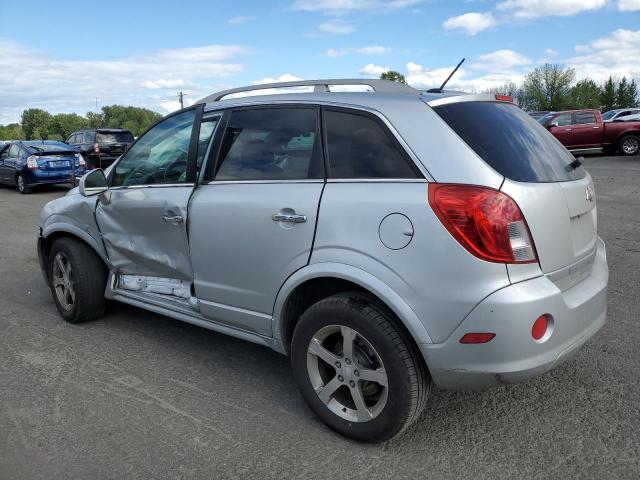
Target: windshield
[
  {"x": 114, "y": 137},
  {"x": 510, "y": 141},
  {"x": 545, "y": 118},
  {"x": 609, "y": 115}
]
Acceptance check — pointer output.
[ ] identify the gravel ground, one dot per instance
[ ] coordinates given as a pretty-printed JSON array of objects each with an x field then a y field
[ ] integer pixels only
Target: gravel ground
[{"x": 138, "y": 395}]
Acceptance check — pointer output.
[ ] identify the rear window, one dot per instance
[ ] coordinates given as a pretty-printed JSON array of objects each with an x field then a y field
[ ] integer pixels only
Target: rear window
[
  {"x": 510, "y": 141},
  {"x": 114, "y": 137}
]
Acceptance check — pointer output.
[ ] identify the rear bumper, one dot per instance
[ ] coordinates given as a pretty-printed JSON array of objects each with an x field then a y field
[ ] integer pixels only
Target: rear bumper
[
  {"x": 513, "y": 355},
  {"x": 49, "y": 178}
]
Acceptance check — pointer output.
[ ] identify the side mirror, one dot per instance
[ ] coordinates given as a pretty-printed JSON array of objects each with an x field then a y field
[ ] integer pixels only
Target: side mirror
[{"x": 93, "y": 183}]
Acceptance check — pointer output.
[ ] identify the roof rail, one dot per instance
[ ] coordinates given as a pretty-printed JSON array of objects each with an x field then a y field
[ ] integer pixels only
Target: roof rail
[{"x": 320, "y": 86}]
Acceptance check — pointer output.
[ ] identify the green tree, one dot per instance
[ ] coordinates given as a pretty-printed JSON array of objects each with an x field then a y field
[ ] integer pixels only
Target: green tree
[
  {"x": 393, "y": 76},
  {"x": 94, "y": 120},
  {"x": 64, "y": 124},
  {"x": 36, "y": 123},
  {"x": 547, "y": 87},
  {"x": 608, "y": 99},
  {"x": 626, "y": 93},
  {"x": 585, "y": 94},
  {"x": 135, "y": 119},
  {"x": 12, "y": 131}
]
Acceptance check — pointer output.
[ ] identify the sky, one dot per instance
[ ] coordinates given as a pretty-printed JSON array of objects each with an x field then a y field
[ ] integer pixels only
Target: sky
[{"x": 61, "y": 56}]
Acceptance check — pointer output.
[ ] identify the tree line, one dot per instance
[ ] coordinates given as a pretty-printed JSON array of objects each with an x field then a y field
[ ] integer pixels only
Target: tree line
[
  {"x": 553, "y": 87},
  {"x": 38, "y": 124}
]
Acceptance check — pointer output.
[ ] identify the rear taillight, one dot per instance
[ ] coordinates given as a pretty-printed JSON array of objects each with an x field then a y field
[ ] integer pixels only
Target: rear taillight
[
  {"x": 96, "y": 148},
  {"x": 80, "y": 161},
  {"x": 32, "y": 162},
  {"x": 487, "y": 222}
]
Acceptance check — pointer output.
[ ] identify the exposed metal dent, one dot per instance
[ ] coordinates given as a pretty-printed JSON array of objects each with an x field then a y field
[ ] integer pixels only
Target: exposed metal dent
[{"x": 170, "y": 287}]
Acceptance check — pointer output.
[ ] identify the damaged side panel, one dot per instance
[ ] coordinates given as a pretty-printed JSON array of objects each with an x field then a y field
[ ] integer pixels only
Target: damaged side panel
[{"x": 144, "y": 233}]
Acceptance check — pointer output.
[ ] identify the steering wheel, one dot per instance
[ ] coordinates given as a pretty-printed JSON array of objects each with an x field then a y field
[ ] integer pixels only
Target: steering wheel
[{"x": 174, "y": 170}]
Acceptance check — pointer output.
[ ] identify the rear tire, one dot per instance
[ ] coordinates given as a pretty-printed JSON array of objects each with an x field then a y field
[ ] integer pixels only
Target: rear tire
[
  {"x": 629, "y": 145},
  {"x": 346, "y": 389},
  {"x": 78, "y": 279},
  {"x": 22, "y": 185}
]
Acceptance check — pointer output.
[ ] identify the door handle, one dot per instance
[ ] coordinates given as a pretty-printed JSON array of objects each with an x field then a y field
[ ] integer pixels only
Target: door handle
[
  {"x": 173, "y": 219},
  {"x": 568, "y": 129},
  {"x": 288, "y": 217}
]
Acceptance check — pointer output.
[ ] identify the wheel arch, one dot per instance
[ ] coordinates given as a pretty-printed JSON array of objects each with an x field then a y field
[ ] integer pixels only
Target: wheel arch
[
  {"x": 314, "y": 282},
  {"x": 54, "y": 232}
]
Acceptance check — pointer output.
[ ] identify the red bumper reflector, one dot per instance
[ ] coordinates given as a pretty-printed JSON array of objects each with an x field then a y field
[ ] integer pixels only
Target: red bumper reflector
[
  {"x": 477, "y": 337},
  {"x": 540, "y": 327}
]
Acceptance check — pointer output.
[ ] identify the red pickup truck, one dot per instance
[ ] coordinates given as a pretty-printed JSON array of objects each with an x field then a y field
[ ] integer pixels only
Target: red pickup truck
[{"x": 585, "y": 130}]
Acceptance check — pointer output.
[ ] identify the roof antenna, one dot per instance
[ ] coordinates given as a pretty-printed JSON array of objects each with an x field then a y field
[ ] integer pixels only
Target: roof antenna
[{"x": 439, "y": 90}]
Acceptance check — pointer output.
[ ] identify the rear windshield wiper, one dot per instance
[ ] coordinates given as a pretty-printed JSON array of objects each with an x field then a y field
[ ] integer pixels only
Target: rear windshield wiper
[{"x": 575, "y": 164}]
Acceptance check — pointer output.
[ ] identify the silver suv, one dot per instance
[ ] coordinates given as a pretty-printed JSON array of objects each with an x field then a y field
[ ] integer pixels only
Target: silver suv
[{"x": 386, "y": 240}]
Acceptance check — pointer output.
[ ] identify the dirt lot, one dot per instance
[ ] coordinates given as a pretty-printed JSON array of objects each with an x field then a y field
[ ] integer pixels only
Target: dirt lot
[{"x": 137, "y": 395}]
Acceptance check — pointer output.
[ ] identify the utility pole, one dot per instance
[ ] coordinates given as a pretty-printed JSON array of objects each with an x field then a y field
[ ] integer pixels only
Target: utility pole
[{"x": 181, "y": 98}]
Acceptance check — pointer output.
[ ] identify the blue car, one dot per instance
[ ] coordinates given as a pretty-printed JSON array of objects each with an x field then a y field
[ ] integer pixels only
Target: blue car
[{"x": 26, "y": 164}]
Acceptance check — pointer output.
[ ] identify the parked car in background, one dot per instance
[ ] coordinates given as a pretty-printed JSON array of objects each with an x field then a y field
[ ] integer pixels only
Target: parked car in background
[
  {"x": 27, "y": 164},
  {"x": 619, "y": 114},
  {"x": 585, "y": 130},
  {"x": 383, "y": 240},
  {"x": 539, "y": 114},
  {"x": 629, "y": 118},
  {"x": 100, "y": 147}
]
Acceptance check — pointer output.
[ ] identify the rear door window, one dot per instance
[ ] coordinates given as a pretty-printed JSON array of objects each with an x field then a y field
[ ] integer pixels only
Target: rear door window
[
  {"x": 271, "y": 144},
  {"x": 585, "y": 117},
  {"x": 360, "y": 146},
  {"x": 510, "y": 141}
]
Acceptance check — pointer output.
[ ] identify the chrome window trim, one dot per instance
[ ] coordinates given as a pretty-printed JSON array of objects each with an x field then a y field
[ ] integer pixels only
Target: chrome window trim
[
  {"x": 378, "y": 180},
  {"x": 151, "y": 185},
  {"x": 414, "y": 158},
  {"x": 224, "y": 182}
]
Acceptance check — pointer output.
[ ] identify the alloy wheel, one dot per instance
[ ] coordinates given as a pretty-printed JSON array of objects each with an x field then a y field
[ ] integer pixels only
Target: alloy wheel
[
  {"x": 631, "y": 145},
  {"x": 63, "y": 281},
  {"x": 347, "y": 373}
]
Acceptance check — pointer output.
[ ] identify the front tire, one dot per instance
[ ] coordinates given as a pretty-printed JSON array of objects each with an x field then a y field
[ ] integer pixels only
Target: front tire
[
  {"x": 356, "y": 369},
  {"x": 629, "y": 145},
  {"x": 78, "y": 279}
]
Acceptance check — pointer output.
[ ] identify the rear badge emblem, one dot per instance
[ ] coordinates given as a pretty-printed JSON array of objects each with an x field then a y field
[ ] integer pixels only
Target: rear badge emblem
[{"x": 589, "y": 194}]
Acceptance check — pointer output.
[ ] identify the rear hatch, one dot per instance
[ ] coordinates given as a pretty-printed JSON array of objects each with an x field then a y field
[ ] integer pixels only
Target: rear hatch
[
  {"x": 52, "y": 158},
  {"x": 113, "y": 143},
  {"x": 554, "y": 193}
]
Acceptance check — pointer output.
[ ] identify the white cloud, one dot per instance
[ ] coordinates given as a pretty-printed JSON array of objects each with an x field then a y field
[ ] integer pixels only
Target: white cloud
[
  {"x": 527, "y": 9},
  {"x": 32, "y": 78},
  {"x": 551, "y": 52},
  {"x": 471, "y": 23},
  {"x": 501, "y": 61},
  {"x": 240, "y": 19},
  {"x": 628, "y": 5},
  {"x": 367, "y": 50},
  {"x": 163, "y": 83},
  {"x": 371, "y": 69},
  {"x": 286, "y": 77},
  {"x": 341, "y": 7},
  {"x": 615, "y": 54},
  {"x": 336, "y": 27},
  {"x": 425, "y": 78}
]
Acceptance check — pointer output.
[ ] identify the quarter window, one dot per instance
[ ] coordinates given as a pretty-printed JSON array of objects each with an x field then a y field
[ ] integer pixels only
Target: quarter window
[
  {"x": 160, "y": 156},
  {"x": 360, "y": 147},
  {"x": 271, "y": 144}
]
